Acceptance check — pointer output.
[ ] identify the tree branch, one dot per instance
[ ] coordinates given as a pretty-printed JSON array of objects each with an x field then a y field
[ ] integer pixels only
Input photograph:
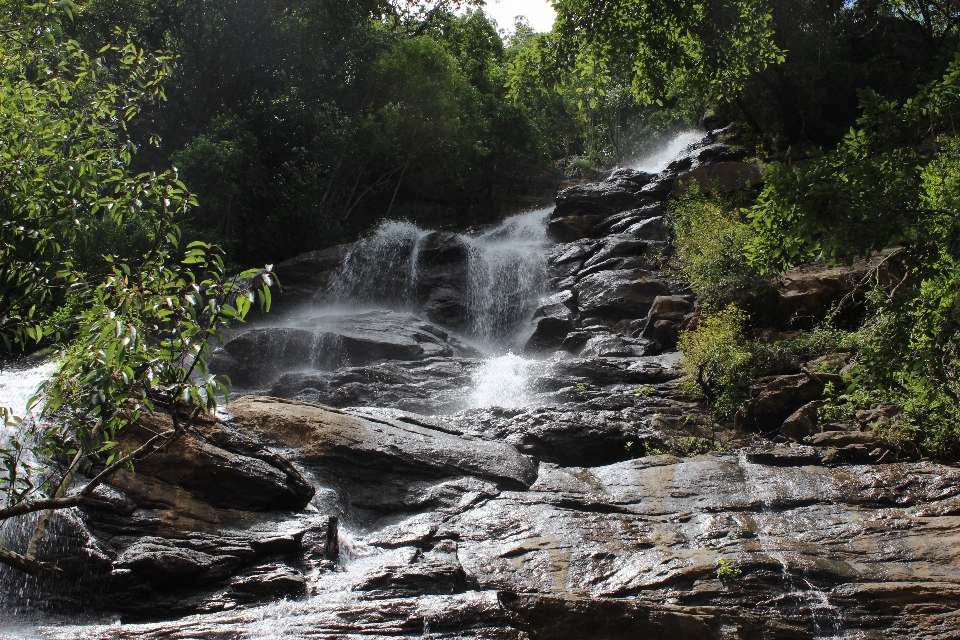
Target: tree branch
[{"x": 25, "y": 564}]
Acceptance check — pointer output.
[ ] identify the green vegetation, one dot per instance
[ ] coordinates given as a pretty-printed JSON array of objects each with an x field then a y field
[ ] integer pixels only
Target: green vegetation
[
  {"x": 135, "y": 324},
  {"x": 711, "y": 238},
  {"x": 726, "y": 570},
  {"x": 717, "y": 358}
]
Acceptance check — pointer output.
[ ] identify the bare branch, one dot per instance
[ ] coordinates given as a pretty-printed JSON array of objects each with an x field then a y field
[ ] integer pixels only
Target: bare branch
[{"x": 25, "y": 564}]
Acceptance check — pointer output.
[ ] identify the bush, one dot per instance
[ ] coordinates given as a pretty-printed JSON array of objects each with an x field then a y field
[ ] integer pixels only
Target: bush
[
  {"x": 711, "y": 238},
  {"x": 722, "y": 363},
  {"x": 718, "y": 359}
]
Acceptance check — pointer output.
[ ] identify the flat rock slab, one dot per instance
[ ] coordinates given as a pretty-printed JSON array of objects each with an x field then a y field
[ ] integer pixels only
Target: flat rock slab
[
  {"x": 320, "y": 435},
  {"x": 257, "y": 356}
]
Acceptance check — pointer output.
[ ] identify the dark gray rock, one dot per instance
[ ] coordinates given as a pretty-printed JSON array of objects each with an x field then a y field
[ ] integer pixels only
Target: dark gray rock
[
  {"x": 802, "y": 423},
  {"x": 581, "y": 207},
  {"x": 159, "y": 562},
  {"x": 322, "y": 435},
  {"x": 783, "y": 456},
  {"x": 442, "y": 278},
  {"x": 552, "y": 323},
  {"x": 255, "y": 357},
  {"x": 619, "y": 294},
  {"x": 305, "y": 276},
  {"x": 774, "y": 400}
]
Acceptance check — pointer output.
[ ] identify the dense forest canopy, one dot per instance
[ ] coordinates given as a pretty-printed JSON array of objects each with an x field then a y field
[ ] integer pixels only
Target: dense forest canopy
[{"x": 151, "y": 148}]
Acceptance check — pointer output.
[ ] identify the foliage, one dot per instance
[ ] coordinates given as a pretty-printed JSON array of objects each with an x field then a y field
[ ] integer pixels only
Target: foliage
[
  {"x": 63, "y": 165},
  {"x": 717, "y": 358},
  {"x": 711, "y": 238},
  {"x": 726, "y": 570},
  {"x": 722, "y": 363},
  {"x": 692, "y": 52},
  {"x": 143, "y": 319},
  {"x": 879, "y": 189}
]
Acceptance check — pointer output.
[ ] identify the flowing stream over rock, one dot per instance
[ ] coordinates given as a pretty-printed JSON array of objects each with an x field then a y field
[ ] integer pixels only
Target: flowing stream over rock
[{"x": 446, "y": 435}]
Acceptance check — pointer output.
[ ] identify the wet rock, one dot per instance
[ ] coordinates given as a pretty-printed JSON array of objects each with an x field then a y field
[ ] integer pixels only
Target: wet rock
[
  {"x": 435, "y": 572},
  {"x": 549, "y": 333},
  {"x": 579, "y": 208},
  {"x": 616, "y": 246},
  {"x": 442, "y": 278},
  {"x": 619, "y": 294},
  {"x": 215, "y": 465},
  {"x": 612, "y": 346},
  {"x": 666, "y": 319},
  {"x": 159, "y": 562},
  {"x": 255, "y": 357},
  {"x": 434, "y": 385},
  {"x": 651, "y": 230},
  {"x": 620, "y": 222},
  {"x": 273, "y": 581},
  {"x": 781, "y": 456},
  {"x": 773, "y": 401},
  {"x": 305, "y": 276},
  {"x": 802, "y": 423},
  {"x": 321, "y": 435}
]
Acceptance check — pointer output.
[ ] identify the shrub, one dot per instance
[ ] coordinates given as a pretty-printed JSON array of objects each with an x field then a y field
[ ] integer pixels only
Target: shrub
[
  {"x": 727, "y": 571},
  {"x": 711, "y": 237},
  {"x": 718, "y": 359}
]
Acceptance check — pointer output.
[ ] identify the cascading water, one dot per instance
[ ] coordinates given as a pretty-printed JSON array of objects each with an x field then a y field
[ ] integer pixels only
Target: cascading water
[
  {"x": 502, "y": 274},
  {"x": 383, "y": 268},
  {"x": 657, "y": 160},
  {"x": 506, "y": 275}
]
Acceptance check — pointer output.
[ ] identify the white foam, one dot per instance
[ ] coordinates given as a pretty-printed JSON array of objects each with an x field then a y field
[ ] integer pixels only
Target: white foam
[
  {"x": 503, "y": 381},
  {"x": 17, "y": 386},
  {"x": 659, "y": 158}
]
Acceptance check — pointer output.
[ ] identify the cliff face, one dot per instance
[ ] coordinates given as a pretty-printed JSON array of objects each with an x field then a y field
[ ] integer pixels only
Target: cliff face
[{"x": 367, "y": 488}]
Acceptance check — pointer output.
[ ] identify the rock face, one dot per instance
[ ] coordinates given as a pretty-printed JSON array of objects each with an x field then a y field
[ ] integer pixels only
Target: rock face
[
  {"x": 257, "y": 357},
  {"x": 322, "y": 435},
  {"x": 634, "y": 547},
  {"x": 362, "y": 493}
]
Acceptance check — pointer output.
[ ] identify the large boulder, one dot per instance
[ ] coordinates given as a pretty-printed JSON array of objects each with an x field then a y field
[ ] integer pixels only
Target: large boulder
[
  {"x": 619, "y": 294},
  {"x": 320, "y": 435},
  {"x": 442, "y": 274},
  {"x": 257, "y": 356},
  {"x": 308, "y": 275},
  {"x": 212, "y": 464},
  {"x": 776, "y": 399}
]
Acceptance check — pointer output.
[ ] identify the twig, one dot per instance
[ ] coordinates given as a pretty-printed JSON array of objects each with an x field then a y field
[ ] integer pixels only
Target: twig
[{"x": 863, "y": 282}]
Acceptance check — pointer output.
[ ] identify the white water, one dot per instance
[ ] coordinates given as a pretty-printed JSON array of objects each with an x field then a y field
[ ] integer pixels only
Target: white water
[
  {"x": 506, "y": 275},
  {"x": 504, "y": 281},
  {"x": 18, "y": 385},
  {"x": 503, "y": 381},
  {"x": 659, "y": 158}
]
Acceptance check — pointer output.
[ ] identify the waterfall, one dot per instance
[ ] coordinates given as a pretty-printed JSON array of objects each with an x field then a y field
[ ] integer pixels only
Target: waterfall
[
  {"x": 658, "y": 159},
  {"x": 17, "y": 386},
  {"x": 506, "y": 275},
  {"x": 382, "y": 268},
  {"x": 503, "y": 279}
]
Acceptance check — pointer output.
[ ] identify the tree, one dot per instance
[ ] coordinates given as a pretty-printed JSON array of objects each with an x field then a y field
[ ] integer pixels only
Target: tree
[
  {"x": 892, "y": 183},
  {"x": 147, "y": 319},
  {"x": 694, "y": 52}
]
